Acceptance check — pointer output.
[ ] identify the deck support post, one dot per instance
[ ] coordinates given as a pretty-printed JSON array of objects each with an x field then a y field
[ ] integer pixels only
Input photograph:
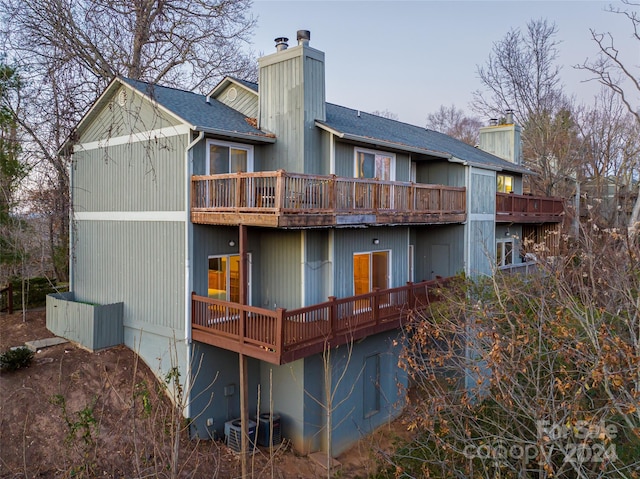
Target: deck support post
[{"x": 244, "y": 381}]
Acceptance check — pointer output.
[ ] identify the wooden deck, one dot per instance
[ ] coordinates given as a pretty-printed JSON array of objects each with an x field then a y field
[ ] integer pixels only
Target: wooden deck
[
  {"x": 288, "y": 200},
  {"x": 282, "y": 336},
  {"x": 511, "y": 208}
]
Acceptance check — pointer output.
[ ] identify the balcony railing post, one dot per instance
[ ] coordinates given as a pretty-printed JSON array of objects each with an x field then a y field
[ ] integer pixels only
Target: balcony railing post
[
  {"x": 376, "y": 305},
  {"x": 280, "y": 313},
  {"x": 280, "y": 189},
  {"x": 411, "y": 301},
  {"x": 411, "y": 199},
  {"x": 238, "y": 190},
  {"x": 332, "y": 192}
]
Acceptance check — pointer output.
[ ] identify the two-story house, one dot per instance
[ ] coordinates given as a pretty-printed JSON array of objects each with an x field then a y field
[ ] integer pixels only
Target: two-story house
[{"x": 262, "y": 221}]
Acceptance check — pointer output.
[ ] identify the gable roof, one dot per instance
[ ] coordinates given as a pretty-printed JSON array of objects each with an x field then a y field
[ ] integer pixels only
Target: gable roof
[
  {"x": 193, "y": 109},
  {"x": 372, "y": 129},
  {"x": 226, "y": 81}
]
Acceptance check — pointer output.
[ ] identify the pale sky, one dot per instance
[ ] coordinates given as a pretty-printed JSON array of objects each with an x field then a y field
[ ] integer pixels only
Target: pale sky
[{"x": 410, "y": 57}]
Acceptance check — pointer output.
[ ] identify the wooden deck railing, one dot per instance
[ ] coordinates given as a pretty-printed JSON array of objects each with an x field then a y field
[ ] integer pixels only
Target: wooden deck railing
[
  {"x": 6, "y": 299},
  {"x": 283, "y": 336},
  {"x": 528, "y": 209},
  {"x": 323, "y": 200}
]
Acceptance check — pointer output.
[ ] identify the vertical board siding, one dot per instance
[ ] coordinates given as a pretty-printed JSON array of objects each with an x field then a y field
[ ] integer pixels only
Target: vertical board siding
[
  {"x": 482, "y": 193},
  {"x": 425, "y": 238},
  {"x": 440, "y": 173},
  {"x": 349, "y": 241},
  {"x": 344, "y": 155},
  {"x": 146, "y": 176},
  {"x": 246, "y": 101},
  {"x": 403, "y": 167},
  {"x": 138, "y": 263},
  {"x": 137, "y": 115},
  {"x": 280, "y": 278},
  {"x": 282, "y": 111},
  {"x": 317, "y": 268},
  {"x": 482, "y": 252}
]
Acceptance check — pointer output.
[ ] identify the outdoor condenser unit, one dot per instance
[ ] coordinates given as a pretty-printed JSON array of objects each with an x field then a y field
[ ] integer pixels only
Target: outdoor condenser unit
[
  {"x": 264, "y": 430},
  {"x": 233, "y": 434}
]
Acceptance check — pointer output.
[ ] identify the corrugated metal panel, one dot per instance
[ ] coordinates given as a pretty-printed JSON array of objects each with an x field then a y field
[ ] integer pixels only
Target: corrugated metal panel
[
  {"x": 136, "y": 115},
  {"x": 141, "y": 176},
  {"x": 244, "y": 101},
  {"x": 350, "y": 241},
  {"x": 138, "y": 263},
  {"x": 482, "y": 193},
  {"x": 93, "y": 326}
]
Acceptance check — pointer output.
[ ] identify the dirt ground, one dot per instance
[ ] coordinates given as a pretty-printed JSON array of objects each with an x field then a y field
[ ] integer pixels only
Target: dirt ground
[{"x": 74, "y": 413}]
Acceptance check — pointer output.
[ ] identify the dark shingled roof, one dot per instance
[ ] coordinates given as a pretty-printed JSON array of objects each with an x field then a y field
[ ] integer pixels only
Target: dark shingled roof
[
  {"x": 372, "y": 127},
  {"x": 193, "y": 109}
]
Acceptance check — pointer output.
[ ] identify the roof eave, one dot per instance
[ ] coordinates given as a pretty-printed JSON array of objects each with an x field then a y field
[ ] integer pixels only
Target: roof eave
[
  {"x": 380, "y": 142},
  {"x": 236, "y": 134}
]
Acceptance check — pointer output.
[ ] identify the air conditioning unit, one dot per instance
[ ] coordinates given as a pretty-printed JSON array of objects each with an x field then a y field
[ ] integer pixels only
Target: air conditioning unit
[
  {"x": 264, "y": 430},
  {"x": 233, "y": 435}
]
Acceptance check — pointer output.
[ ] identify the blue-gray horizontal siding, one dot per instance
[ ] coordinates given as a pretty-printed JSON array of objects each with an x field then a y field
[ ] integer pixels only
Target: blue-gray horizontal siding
[
  {"x": 141, "y": 176},
  {"x": 138, "y": 263}
]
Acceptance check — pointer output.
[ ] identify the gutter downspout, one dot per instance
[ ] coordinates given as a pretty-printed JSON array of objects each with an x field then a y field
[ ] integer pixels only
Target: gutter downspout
[
  {"x": 188, "y": 235},
  {"x": 71, "y": 219}
]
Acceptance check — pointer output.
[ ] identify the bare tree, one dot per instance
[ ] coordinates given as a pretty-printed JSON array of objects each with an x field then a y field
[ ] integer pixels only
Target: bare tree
[
  {"x": 454, "y": 122},
  {"x": 610, "y": 151},
  {"x": 69, "y": 51},
  {"x": 522, "y": 74},
  {"x": 618, "y": 71},
  {"x": 386, "y": 114},
  {"x": 530, "y": 377}
]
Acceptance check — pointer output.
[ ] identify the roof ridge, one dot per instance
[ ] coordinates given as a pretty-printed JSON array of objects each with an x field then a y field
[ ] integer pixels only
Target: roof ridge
[
  {"x": 154, "y": 85},
  {"x": 378, "y": 116}
]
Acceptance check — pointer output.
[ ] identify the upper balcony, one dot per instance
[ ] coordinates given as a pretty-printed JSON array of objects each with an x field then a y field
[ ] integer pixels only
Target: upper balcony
[
  {"x": 512, "y": 208},
  {"x": 289, "y": 200}
]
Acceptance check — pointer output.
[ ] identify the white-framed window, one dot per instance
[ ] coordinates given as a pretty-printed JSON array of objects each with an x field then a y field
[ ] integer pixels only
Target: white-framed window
[
  {"x": 504, "y": 251},
  {"x": 505, "y": 183},
  {"x": 375, "y": 164},
  {"x": 224, "y": 277},
  {"x": 225, "y": 157}
]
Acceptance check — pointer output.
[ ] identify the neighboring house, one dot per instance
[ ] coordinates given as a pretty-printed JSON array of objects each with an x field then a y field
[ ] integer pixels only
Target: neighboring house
[
  {"x": 343, "y": 217},
  {"x": 608, "y": 200}
]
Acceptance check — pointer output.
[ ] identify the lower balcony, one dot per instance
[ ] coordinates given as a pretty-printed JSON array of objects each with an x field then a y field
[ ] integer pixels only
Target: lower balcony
[
  {"x": 282, "y": 336},
  {"x": 512, "y": 208},
  {"x": 289, "y": 200}
]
